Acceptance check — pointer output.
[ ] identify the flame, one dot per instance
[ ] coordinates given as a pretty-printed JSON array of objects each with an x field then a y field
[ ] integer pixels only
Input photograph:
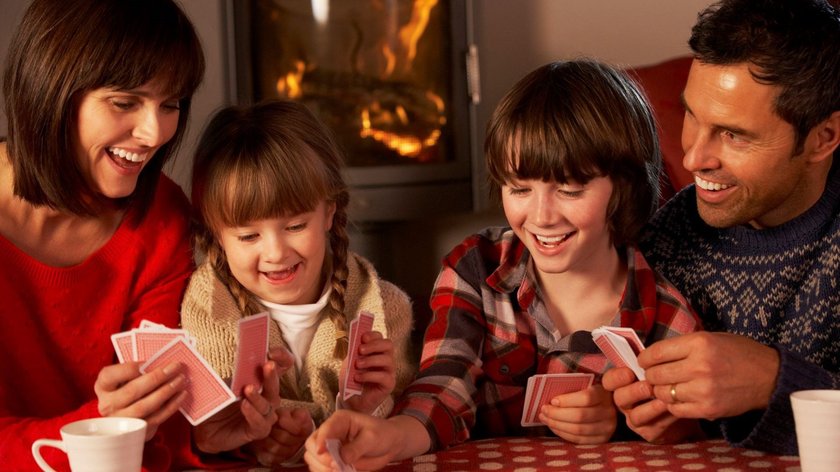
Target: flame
[
  {"x": 410, "y": 33},
  {"x": 289, "y": 85},
  {"x": 407, "y": 144}
]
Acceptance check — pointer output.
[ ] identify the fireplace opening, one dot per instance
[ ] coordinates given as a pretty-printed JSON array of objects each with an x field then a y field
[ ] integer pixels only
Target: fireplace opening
[{"x": 389, "y": 77}]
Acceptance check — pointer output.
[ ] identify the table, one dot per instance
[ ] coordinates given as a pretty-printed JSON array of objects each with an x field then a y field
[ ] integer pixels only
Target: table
[
  {"x": 546, "y": 454},
  {"x": 554, "y": 454}
]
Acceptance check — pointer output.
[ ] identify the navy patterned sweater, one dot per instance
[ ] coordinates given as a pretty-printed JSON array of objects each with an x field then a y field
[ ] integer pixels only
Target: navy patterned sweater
[{"x": 779, "y": 286}]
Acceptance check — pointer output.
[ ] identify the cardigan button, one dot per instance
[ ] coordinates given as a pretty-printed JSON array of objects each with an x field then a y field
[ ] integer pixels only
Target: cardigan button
[{"x": 504, "y": 369}]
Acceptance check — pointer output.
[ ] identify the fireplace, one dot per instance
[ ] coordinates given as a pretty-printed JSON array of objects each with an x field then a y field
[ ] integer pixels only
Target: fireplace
[{"x": 389, "y": 77}]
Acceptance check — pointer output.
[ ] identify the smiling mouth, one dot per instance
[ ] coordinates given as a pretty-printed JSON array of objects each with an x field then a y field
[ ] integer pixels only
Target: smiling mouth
[
  {"x": 126, "y": 158},
  {"x": 710, "y": 186},
  {"x": 553, "y": 241},
  {"x": 279, "y": 275}
]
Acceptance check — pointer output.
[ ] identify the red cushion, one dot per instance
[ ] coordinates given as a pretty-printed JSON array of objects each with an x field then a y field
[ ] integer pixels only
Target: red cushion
[{"x": 664, "y": 83}]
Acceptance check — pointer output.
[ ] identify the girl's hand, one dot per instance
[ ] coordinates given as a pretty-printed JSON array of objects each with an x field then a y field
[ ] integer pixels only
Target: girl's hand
[
  {"x": 154, "y": 396},
  {"x": 584, "y": 417},
  {"x": 376, "y": 371},
  {"x": 239, "y": 424},
  {"x": 286, "y": 438}
]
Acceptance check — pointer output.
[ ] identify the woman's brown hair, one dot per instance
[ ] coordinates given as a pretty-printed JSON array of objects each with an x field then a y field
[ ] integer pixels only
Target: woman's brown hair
[
  {"x": 64, "y": 49},
  {"x": 273, "y": 159}
]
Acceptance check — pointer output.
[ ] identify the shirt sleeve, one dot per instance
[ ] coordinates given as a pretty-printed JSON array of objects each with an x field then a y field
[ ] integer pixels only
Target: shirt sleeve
[
  {"x": 770, "y": 429},
  {"x": 443, "y": 397}
]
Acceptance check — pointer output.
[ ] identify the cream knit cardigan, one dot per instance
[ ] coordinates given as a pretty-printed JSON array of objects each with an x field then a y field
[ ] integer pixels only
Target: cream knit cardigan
[{"x": 210, "y": 313}]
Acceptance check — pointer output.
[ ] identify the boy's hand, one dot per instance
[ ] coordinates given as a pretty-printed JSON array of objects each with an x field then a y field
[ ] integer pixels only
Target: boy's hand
[{"x": 583, "y": 417}]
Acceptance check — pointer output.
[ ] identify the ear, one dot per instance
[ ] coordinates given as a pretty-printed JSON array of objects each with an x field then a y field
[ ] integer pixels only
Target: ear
[
  {"x": 330, "y": 214},
  {"x": 826, "y": 138}
]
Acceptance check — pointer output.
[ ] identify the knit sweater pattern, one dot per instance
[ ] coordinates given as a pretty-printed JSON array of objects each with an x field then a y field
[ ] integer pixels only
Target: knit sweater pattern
[
  {"x": 779, "y": 286},
  {"x": 210, "y": 313}
]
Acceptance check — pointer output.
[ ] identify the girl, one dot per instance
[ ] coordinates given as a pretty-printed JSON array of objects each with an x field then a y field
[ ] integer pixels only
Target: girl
[
  {"x": 93, "y": 237},
  {"x": 572, "y": 151},
  {"x": 268, "y": 190}
]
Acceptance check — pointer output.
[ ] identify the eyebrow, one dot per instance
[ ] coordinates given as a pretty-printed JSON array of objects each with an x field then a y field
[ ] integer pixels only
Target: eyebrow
[{"x": 732, "y": 129}]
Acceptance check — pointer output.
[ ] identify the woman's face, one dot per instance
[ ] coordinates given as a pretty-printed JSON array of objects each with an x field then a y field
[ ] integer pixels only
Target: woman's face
[
  {"x": 118, "y": 132},
  {"x": 281, "y": 260}
]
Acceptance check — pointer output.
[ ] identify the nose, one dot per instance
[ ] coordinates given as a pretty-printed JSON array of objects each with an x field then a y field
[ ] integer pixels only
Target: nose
[
  {"x": 273, "y": 249},
  {"x": 546, "y": 212},
  {"x": 152, "y": 128},
  {"x": 699, "y": 148}
]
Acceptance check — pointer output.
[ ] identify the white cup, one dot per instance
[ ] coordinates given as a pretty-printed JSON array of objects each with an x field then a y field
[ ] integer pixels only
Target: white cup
[
  {"x": 110, "y": 444},
  {"x": 817, "y": 417}
]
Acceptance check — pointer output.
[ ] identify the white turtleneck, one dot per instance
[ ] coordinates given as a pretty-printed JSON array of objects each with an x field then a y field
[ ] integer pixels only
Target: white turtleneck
[{"x": 298, "y": 323}]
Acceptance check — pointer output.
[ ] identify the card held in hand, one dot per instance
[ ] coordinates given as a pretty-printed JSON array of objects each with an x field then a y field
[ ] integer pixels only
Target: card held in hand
[
  {"x": 621, "y": 346},
  {"x": 542, "y": 388},
  {"x": 358, "y": 327},
  {"x": 207, "y": 393},
  {"x": 334, "y": 448},
  {"x": 251, "y": 352}
]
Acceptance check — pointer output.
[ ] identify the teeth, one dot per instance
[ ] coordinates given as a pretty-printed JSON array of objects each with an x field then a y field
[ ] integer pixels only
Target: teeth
[
  {"x": 127, "y": 155},
  {"x": 706, "y": 185},
  {"x": 552, "y": 239}
]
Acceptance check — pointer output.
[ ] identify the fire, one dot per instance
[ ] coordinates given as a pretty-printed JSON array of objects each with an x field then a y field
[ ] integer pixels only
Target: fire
[{"x": 289, "y": 86}]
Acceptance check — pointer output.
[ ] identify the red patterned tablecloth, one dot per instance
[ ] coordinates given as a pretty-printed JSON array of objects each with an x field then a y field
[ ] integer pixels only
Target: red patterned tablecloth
[{"x": 553, "y": 454}]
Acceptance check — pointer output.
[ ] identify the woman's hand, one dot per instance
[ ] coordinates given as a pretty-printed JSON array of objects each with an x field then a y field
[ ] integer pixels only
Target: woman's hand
[
  {"x": 376, "y": 371},
  {"x": 154, "y": 396},
  {"x": 242, "y": 423},
  {"x": 583, "y": 417},
  {"x": 286, "y": 437}
]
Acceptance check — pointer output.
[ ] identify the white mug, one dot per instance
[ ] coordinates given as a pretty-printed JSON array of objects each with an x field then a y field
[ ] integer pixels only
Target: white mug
[
  {"x": 817, "y": 417},
  {"x": 110, "y": 444}
]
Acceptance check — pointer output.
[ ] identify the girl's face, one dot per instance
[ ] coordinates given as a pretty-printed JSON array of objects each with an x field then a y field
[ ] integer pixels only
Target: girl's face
[
  {"x": 280, "y": 260},
  {"x": 564, "y": 226},
  {"x": 118, "y": 132}
]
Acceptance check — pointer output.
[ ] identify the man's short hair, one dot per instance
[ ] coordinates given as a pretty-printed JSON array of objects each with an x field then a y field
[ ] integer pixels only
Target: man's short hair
[{"x": 792, "y": 44}]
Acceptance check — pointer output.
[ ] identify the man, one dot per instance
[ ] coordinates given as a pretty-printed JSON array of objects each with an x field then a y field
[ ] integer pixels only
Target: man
[{"x": 755, "y": 243}]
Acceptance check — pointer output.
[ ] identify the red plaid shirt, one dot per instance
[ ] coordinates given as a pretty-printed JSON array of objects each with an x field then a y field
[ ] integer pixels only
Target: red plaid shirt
[{"x": 490, "y": 331}]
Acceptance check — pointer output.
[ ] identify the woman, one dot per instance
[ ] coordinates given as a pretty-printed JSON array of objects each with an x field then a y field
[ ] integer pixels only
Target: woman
[{"x": 93, "y": 237}]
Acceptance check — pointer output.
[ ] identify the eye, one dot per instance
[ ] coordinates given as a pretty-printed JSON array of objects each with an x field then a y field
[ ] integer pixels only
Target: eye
[
  {"x": 296, "y": 227},
  {"x": 122, "y": 104},
  {"x": 248, "y": 237},
  {"x": 172, "y": 105},
  {"x": 733, "y": 137},
  {"x": 570, "y": 192}
]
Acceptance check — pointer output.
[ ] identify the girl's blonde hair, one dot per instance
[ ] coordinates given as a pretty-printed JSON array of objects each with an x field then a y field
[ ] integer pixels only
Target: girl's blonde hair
[{"x": 270, "y": 160}]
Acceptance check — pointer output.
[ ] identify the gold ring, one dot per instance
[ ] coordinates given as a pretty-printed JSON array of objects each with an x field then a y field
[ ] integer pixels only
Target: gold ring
[{"x": 674, "y": 393}]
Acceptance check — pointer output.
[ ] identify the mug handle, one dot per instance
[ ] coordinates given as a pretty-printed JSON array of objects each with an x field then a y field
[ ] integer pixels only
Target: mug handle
[{"x": 36, "y": 453}]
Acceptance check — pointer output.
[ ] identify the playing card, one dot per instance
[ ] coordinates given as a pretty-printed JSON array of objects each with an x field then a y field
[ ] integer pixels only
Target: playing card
[
  {"x": 151, "y": 325},
  {"x": 124, "y": 345},
  {"x": 147, "y": 342},
  {"x": 618, "y": 349},
  {"x": 251, "y": 352},
  {"x": 206, "y": 392},
  {"x": 541, "y": 388},
  {"x": 629, "y": 334},
  {"x": 333, "y": 447},
  {"x": 358, "y": 327}
]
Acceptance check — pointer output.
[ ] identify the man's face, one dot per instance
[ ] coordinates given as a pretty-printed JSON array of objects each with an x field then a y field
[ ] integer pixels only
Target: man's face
[{"x": 740, "y": 151}]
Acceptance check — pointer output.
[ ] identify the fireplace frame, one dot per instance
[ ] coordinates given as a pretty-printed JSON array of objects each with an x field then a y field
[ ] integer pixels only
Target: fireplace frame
[{"x": 395, "y": 192}]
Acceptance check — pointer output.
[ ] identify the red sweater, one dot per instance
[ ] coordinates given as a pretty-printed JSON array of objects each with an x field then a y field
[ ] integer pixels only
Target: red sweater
[{"x": 56, "y": 323}]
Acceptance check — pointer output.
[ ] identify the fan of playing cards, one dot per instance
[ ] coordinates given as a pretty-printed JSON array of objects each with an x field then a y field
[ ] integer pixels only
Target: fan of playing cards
[{"x": 157, "y": 346}]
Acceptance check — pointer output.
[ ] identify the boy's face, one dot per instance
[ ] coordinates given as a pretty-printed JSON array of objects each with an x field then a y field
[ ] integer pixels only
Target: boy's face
[{"x": 564, "y": 226}]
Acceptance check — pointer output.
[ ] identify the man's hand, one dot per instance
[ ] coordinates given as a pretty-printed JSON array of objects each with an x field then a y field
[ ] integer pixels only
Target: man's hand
[{"x": 711, "y": 375}]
